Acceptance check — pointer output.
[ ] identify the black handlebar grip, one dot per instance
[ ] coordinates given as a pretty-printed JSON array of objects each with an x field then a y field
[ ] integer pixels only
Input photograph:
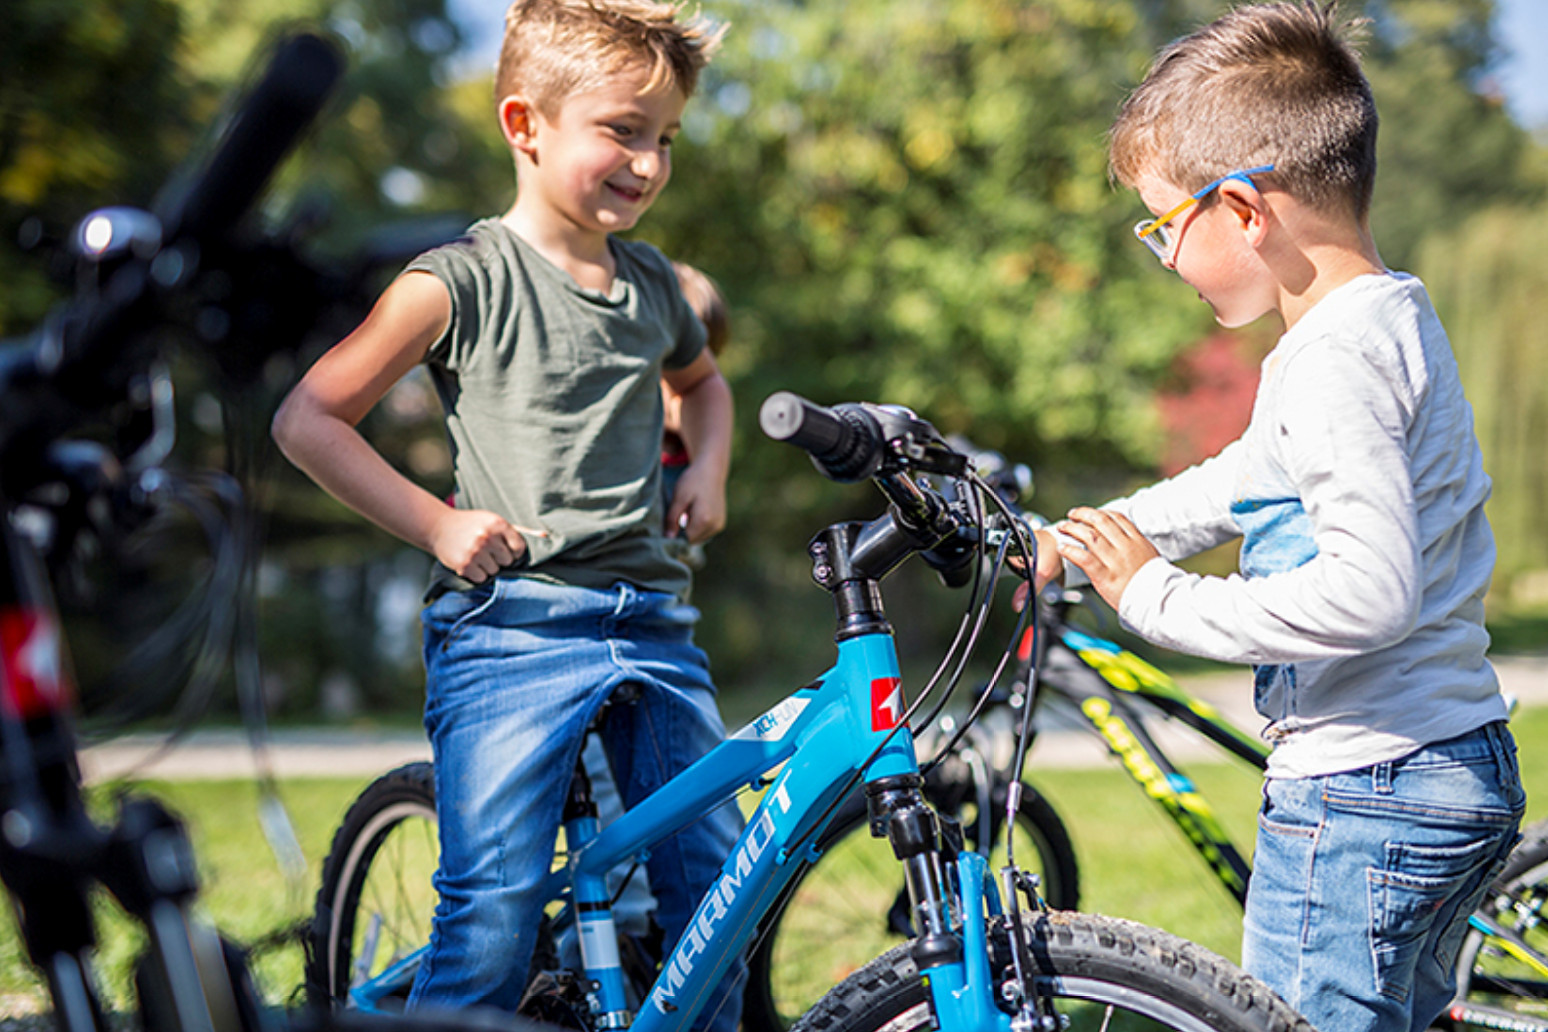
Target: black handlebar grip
[
  {"x": 788, "y": 417},
  {"x": 292, "y": 91},
  {"x": 845, "y": 442}
]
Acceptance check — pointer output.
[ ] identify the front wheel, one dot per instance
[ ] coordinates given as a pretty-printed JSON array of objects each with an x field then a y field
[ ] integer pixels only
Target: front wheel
[
  {"x": 851, "y": 904},
  {"x": 1502, "y": 972},
  {"x": 376, "y": 899},
  {"x": 1101, "y": 974}
]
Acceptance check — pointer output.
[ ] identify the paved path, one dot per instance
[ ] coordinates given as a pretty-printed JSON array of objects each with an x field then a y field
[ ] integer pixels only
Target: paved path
[{"x": 351, "y": 753}]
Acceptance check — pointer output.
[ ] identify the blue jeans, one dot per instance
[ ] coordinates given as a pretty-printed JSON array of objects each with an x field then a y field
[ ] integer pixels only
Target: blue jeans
[
  {"x": 1362, "y": 882},
  {"x": 516, "y": 671}
]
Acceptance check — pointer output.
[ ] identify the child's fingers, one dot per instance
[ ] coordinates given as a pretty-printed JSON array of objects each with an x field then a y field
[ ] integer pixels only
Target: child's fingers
[
  {"x": 1098, "y": 520},
  {"x": 516, "y": 542}
]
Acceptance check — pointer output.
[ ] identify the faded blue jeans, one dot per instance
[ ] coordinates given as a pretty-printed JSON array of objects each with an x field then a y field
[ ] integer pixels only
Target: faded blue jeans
[
  {"x": 517, "y": 669},
  {"x": 1362, "y": 882}
]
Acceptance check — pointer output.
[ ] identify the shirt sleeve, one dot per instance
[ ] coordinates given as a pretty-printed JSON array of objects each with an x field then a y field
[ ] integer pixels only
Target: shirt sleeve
[
  {"x": 1340, "y": 429},
  {"x": 689, "y": 334},
  {"x": 467, "y": 284},
  {"x": 1190, "y": 512},
  {"x": 1183, "y": 515}
]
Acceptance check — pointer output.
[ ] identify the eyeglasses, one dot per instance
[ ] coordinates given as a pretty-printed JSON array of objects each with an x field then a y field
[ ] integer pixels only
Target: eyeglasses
[{"x": 1156, "y": 233}]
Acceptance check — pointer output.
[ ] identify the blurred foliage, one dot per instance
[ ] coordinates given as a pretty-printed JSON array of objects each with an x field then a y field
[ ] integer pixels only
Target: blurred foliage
[
  {"x": 1447, "y": 147},
  {"x": 904, "y": 201},
  {"x": 91, "y": 103},
  {"x": 1489, "y": 276}
]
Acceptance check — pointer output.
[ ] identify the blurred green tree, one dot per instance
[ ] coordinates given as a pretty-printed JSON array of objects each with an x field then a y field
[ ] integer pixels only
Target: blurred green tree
[
  {"x": 1488, "y": 276},
  {"x": 1447, "y": 146},
  {"x": 905, "y": 201},
  {"x": 89, "y": 105}
]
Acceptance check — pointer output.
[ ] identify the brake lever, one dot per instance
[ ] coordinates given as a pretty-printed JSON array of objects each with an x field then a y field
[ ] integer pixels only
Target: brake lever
[{"x": 915, "y": 444}]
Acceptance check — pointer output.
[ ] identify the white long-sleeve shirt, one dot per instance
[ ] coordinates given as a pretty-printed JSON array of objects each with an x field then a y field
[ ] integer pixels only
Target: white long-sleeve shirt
[{"x": 1358, "y": 488}]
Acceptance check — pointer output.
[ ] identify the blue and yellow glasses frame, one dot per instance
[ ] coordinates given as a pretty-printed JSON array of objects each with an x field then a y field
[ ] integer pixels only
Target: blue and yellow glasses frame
[{"x": 1156, "y": 233}]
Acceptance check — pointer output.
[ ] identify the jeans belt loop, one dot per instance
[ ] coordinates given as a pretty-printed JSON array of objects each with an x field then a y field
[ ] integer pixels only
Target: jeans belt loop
[{"x": 1381, "y": 778}]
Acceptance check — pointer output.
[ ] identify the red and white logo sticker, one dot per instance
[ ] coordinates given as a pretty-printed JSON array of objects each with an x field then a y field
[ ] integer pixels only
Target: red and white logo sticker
[
  {"x": 886, "y": 703},
  {"x": 34, "y": 676}
]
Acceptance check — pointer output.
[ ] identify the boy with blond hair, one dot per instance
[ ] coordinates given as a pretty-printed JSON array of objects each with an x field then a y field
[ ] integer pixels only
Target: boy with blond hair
[
  {"x": 548, "y": 339},
  {"x": 1392, "y": 795}
]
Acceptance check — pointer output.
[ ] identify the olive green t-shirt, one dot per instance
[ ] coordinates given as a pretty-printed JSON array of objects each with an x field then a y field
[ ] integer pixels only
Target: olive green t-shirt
[{"x": 553, "y": 403}]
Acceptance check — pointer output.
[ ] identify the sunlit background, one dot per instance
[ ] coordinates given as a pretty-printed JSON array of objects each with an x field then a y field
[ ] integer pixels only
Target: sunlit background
[{"x": 903, "y": 201}]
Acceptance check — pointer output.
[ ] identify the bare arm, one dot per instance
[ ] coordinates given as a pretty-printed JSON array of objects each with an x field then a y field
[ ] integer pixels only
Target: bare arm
[
  {"x": 316, "y": 429},
  {"x": 704, "y": 417}
]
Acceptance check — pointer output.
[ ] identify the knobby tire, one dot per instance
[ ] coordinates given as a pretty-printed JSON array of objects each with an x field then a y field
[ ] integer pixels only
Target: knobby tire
[
  {"x": 850, "y": 905},
  {"x": 1102, "y": 974}
]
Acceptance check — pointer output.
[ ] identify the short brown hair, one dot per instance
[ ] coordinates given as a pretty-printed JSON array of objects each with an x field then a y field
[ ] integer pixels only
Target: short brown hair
[
  {"x": 703, "y": 295},
  {"x": 554, "y": 49},
  {"x": 1271, "y": 84}
]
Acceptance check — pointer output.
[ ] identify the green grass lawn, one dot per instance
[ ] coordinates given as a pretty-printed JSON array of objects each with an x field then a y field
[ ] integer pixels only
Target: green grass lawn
[
  {"x": 1133, "y": 862},
  {"x": 245, "y": 891}
]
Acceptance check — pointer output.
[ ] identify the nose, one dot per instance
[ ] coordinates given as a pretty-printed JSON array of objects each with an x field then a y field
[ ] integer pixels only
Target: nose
[{"x": 649, "y": 162}]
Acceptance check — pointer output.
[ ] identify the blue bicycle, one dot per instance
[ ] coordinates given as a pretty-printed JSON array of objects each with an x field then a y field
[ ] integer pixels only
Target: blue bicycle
[{"x": 987, "y": 953}]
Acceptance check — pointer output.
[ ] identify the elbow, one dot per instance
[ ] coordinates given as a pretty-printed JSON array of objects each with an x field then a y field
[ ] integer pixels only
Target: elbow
[
  {"x": 1390, "y": 614},
  {"x": 285, "y": 429},
  {"x": 1395, "y": 625}
]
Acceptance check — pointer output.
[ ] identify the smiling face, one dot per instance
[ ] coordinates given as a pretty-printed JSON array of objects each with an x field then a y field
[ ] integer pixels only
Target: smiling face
[{"x": 600, "y": 161}]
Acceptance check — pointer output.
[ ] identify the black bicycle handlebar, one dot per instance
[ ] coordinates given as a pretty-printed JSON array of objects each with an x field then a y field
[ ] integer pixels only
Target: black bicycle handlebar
[
  {"x": 81, "y": 361},
  {"x": 885, "y": 443},
  {"x": 297, "y": 83},
  {"x": 858, "y": 440},
  {"x": 845, "y": 442}
]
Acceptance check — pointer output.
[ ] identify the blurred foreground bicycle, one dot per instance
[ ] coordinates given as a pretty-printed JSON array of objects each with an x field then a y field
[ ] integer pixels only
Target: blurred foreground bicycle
[{"x": 86, "y": 428}]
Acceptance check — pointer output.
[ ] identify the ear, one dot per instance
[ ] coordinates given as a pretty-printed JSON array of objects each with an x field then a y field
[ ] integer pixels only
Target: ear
[
  {"x": 1248, "y": 208},
  {"x": 518, "y": 122}
]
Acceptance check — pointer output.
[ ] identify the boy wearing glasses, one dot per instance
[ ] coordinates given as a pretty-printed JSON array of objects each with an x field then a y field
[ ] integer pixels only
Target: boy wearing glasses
[{"x": 1392, "y": 795}]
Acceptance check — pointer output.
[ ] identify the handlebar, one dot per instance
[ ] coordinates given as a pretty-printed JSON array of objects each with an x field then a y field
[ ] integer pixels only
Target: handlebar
[
  {"x": 845, "y": 442},
  {"x": 298, "y": 81},
  {"x": 87, "y": 356},
  {"x": 859, "y": 440},
  {"x": 886, "y": 444}
]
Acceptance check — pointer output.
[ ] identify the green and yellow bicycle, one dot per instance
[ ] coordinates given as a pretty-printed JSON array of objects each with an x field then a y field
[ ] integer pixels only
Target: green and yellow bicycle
[{"x": 1068, "y": 669}]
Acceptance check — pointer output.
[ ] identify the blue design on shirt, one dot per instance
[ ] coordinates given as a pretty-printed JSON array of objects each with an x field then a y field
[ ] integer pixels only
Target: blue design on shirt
[{"x": 1276, "y": 537}]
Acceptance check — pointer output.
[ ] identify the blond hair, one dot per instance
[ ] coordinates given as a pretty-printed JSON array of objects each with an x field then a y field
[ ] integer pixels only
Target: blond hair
[
  {"x": 554, "y": 49},
  {"x": 1272, "y": 84}
]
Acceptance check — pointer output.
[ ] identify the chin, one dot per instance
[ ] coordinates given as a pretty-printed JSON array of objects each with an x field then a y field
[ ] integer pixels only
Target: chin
[{"x": 1228, "y": 319}]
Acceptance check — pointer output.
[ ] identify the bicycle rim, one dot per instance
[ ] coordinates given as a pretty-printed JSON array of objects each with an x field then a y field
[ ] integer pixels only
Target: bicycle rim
[
  {"x": 1502, "y": 977},
  {"x": 1098, "y": 974},
  {"x": 377, "y": 898}
]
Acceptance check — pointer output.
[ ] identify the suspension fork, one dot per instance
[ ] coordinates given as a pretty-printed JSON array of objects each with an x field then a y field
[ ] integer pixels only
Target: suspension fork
[{"x": 951, "y": 949}]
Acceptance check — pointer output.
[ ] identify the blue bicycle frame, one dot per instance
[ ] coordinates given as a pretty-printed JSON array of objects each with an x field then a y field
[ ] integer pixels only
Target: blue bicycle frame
[
  {"x": 822, "y": 734},
  {"x": 806, "y": 752}
]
